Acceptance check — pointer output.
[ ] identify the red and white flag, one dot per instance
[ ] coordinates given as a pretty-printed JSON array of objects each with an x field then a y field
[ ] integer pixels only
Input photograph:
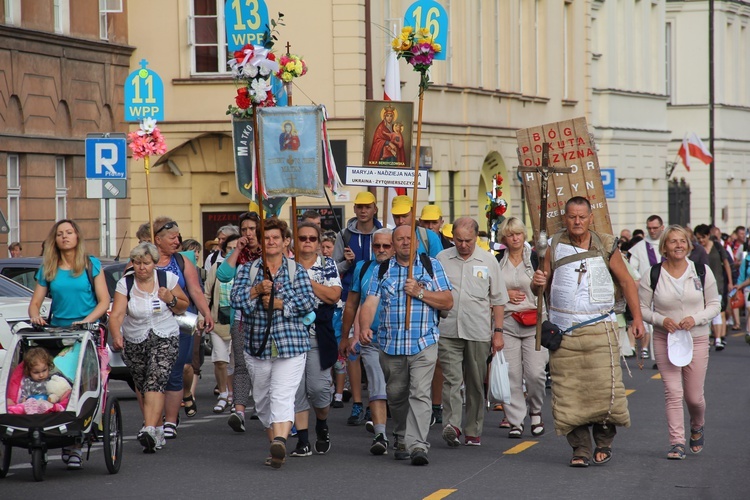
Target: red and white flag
[
  {"x": 693, "y": 146},
  {"x": 392, "y": 92}
]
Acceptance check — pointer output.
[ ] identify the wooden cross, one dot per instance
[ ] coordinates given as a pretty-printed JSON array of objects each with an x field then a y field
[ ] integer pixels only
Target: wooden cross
[
  {"x": 541, "y": 245},
  {"x": 581, "y": 269}
]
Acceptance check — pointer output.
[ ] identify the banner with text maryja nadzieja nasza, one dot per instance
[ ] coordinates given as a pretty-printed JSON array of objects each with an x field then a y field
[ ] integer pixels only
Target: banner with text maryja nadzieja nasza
[{"x": 570, "y": 145}]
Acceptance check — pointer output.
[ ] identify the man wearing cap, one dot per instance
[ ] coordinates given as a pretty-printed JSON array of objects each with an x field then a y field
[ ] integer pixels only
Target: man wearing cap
[
  {"x": 354, "y": 244},
  {"x": 222, "y": 234},
  {"x": 467, "y": 336},
  {"x": 429, "y": 241},
  {"x": 408, "y": 344},
  {"x": 432, "y": 219}
]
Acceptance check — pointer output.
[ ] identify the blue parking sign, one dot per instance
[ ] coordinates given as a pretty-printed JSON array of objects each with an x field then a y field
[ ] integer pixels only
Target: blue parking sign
[
  {"x": 106, "y": 158},
  {"x": 608, "y": 182}
]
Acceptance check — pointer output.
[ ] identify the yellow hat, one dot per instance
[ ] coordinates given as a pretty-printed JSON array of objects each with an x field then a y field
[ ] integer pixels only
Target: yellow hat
[
  {"x": 401, "y": 205},
  {"x": 431, "y": 212},
  {"x": 447, "y": 230},
  {"x": 364, "y": 198}
]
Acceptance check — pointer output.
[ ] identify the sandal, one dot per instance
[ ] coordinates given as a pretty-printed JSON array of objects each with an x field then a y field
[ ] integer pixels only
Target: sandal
[
  {"x": 579, "y": 461},
  {"x": 515, "y": 432},
  {"x": 504, "y": 424},
  {"x": 191, "y": 410},
  {"x": 676, "y": 452},
  {"x": 221, "y": 405},
  {"x": 74, "y": 460},
  {"x": 170, "y": 430},
  {"x": 216, "y": 390},
  {"x": 536, "y": 429},
  {"x": 696, "y": 443},
  {"x": 607, "y": 451}
]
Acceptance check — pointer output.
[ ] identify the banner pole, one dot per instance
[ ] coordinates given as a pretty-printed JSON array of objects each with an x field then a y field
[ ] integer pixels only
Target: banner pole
[
  {"x": 259, "y": 190},
  {"x": 147, "y": 167},
  {"x": 414, "y": 242}
]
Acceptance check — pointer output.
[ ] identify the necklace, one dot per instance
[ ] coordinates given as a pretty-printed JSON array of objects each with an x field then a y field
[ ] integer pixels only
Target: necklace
[{"x": 581, "y": 268}]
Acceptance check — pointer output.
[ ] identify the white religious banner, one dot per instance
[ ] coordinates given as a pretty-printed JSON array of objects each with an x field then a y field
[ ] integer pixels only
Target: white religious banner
[{"x": 570, "y": 145}]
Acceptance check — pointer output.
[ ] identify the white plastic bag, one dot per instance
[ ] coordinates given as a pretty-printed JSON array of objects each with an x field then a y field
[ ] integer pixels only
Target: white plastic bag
[{"x": 499, "y": 381}]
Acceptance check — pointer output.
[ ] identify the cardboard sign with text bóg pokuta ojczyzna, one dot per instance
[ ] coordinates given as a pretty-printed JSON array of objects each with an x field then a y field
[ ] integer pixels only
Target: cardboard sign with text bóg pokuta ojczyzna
[{"x": 570, "y": 145}]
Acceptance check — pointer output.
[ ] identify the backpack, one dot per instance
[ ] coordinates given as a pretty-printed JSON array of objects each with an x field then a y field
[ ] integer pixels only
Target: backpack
[
  {"x": 425, "y": 239},
  {"x": 292, "y": 270},
  {"x": 90, "y": 275},
  {"x": 655, "y": 273},
  {"x": 534, "y": 258},
  {"x": 423, "y": 258},
  {"x": 161, "y": 278},
  {"x": 213, "y": 257}
]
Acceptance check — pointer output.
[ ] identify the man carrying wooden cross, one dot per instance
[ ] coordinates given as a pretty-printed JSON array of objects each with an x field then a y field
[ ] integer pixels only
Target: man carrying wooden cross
[{"x": 587, "y": 380}]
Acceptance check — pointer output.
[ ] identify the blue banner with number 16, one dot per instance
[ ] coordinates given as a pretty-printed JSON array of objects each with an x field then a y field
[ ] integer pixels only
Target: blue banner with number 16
[{"x": 431, "y": 15}]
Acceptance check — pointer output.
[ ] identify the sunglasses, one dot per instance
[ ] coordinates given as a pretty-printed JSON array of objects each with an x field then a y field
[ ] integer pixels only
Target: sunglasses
[
  {"x": 166, "y": 227},
  {"x": 250, "y": 215},
  {"x": 384, "y": 246},
  {"x": 311, "y": 239}
]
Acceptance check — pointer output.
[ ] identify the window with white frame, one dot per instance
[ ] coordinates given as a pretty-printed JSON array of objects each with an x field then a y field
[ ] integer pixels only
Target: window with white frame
[
  {"x": 12, "y": 12},
  {"x": 62, "y": 16},
  {"x": 207, "y": 37},
  {"x": 668, "y": 61},
  {"x": 14, "y": 198},
  {"x": 107, "y": 7},
  {"x": 61, "y": 189}
]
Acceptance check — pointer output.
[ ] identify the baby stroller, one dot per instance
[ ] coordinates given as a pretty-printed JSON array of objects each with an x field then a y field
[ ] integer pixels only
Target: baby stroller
[{"x": 83, "y": 417}]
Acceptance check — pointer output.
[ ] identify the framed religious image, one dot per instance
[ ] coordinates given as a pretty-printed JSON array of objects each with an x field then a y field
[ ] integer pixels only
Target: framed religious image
[{"x": 388, "y": 132}]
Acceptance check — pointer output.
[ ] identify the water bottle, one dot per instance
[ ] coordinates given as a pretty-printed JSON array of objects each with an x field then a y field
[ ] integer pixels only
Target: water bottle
[{"x": 309, "y": 318}]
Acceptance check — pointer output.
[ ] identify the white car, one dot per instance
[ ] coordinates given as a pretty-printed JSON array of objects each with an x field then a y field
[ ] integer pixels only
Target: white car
[{"x": 14, "y": 307}]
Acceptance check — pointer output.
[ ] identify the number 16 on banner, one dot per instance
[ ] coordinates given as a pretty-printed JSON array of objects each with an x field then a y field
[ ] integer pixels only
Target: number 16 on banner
[{"x": 430, "y": 15}]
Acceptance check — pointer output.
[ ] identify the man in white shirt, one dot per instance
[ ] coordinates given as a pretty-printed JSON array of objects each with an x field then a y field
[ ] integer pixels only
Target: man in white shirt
[{"x": 643, "y": 255}]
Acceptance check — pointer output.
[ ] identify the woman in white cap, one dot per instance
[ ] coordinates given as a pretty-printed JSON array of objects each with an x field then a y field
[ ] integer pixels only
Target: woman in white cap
[{"x": 676, "y": 297}]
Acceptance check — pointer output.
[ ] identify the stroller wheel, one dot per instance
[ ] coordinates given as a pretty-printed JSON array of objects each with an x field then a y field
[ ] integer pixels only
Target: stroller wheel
[
  {"x": 112, "y": 435},
  {"x": 5, "y": 463},
  {"x": 38, "y": 464}
]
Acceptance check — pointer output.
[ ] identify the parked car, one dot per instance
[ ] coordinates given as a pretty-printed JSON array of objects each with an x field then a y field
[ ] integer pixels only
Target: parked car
[
  {"x": 14, "y": 308},
  {"x": 23, "y": 271}
]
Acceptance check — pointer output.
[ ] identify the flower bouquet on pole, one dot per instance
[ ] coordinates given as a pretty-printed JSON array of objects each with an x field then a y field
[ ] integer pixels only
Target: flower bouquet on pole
[{"x": 143, "y": 143}]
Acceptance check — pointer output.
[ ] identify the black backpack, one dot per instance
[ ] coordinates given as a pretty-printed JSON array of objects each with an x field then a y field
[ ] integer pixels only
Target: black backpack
[
  {"x": 656, "y": 273},
  {"x": 161, "y": 278}
]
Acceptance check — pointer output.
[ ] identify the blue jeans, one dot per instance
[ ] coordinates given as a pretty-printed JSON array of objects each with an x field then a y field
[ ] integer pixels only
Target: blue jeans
[{"x": 184, "y": 357}]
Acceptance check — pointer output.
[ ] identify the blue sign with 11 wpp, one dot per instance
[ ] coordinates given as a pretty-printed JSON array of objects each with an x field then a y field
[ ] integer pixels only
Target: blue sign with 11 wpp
[{"x": 144, "y": 95}]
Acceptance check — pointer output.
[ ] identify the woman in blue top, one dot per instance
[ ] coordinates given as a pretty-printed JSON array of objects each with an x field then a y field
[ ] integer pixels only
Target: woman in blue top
[{"x": 63, "y": 274}]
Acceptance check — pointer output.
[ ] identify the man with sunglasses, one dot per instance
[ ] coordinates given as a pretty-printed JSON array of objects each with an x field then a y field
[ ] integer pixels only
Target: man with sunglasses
[
  {"x": 353, "y": 245},
  {"x": 382, "y": 247}
]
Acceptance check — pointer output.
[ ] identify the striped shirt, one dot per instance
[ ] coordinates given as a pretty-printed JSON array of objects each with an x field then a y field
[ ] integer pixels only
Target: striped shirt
[
  {"x": 394, "y": 338},
  {"x": 289, "y": 337}
]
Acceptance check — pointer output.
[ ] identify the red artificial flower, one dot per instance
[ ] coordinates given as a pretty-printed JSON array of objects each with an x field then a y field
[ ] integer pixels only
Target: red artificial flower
[
  {"x": 243, "y": 98},
  {"x": 240, "y": 54},
  {"x": 271, "y": 56}
]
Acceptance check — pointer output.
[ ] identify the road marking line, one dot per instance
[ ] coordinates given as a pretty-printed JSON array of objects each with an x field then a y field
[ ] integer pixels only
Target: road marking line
[
  {"x": 656, "y": 377},
  {"x": 439, "y": 494},
  {"x": 628, "y": 392},
  {"x": 738, "y": 334},
  {"x": 519, "y": 448}
]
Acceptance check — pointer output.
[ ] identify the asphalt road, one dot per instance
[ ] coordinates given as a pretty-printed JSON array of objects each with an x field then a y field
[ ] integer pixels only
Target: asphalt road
[{"x": 209, "y": 460}]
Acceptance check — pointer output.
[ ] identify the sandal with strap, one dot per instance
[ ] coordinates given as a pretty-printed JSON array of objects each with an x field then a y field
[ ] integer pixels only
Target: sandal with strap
[
  {"x": 221, "y": 405},
  {"x": 676, "y": 452},
  {"x": 170, "y": 430},
  {"x": 191, "y": 410},
  {"x": 515, "y": 432},
  {"x": 696, "y": 443},
  {"x": 536, "y": 429},
  {"x": 606, "y": 451},
  {"x": 504, "y": 424},
  {"x": 579, "y": 461}
]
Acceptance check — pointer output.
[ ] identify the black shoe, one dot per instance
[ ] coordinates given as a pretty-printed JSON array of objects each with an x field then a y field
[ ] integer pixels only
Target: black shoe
[
  {"x": 358, "y": 415},
  {"x": 337, "y": 404},
  {"x": 323, "y": 442},
  {"x": 237, "y": 422},
  {"x": 401, "y": 453},
  {"x": 347, "y": 394},
  {"x": 437, "y": 415},
  {"x": 379, "y": 445},
  {"x": 302, "y": 450},
  {"x": 419, "y": 457}
]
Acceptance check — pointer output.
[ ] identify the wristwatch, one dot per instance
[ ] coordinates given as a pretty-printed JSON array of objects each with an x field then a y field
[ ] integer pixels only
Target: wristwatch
[
  {"x": 421, "y": 295},
  {"x": 172, "y": 302}
]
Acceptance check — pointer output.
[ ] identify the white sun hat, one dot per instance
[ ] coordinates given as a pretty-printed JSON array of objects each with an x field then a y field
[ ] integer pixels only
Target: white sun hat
[{"x": 680, "y": 347}]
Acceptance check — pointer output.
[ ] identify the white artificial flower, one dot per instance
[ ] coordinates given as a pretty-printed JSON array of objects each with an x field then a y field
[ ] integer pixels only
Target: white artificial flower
[
  {"x": 249, "y": 71},
  {"x": 147, "y": 126}
]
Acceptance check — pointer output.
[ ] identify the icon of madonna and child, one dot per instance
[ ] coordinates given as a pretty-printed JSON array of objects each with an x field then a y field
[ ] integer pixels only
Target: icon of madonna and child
[{"x": 390, "y": 140}]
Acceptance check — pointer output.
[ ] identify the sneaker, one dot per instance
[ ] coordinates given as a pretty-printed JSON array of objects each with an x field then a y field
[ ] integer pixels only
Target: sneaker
[
  {"x": 370, "y": 427},
  {"x": 368, "y": 414},
  {"x": 161, "y": 442},
  {"x": 419, "y": 457},
  {"x": 379, "y": 445},
  {"x": 147, "y": 438},
  {"x": 278, "y": 453},
  {"x": 437, "y": 415},
  {"x": 75, "y": 459},
  {"x": 322, "y": 442},
  {"x": 473, "y": 441},
  {"x": 302, "y": 450},
  {"x": 644, "y": 353},
  {"x": 451, "y": 435},
  {"x": 401, "y": 453},
  {"x": 337, "y": 404},
  {"x": 358, "y": 415},
  {"x": 237, "y": 422},
  {"x": 346, "y": 395}
]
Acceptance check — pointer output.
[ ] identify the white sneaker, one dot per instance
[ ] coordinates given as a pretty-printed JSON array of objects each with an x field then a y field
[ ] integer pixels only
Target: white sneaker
[
  {"x": 147, "y": 438},
  {"x": 161, "y": 441}
]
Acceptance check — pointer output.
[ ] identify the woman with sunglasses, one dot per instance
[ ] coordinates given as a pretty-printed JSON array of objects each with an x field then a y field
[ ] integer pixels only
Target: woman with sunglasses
[
  {"x": 274, "y": 294},
  {"x": 247, "y": 250},
  {"x": 167, "y": 241},
  {"x": 315, "y": 387}
]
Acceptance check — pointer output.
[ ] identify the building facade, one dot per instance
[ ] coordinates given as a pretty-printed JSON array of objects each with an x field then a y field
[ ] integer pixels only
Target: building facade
[{"x": 62, "y": 67}]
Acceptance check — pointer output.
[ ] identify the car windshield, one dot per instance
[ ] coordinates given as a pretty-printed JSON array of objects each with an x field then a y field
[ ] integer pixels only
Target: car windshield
[{"x": 9, "y": 288}]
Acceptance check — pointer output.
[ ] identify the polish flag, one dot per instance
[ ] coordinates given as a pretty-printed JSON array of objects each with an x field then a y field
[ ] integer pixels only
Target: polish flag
[
  {"x": 693, "y": 146},
  {"x": 392, "y": 92}
]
